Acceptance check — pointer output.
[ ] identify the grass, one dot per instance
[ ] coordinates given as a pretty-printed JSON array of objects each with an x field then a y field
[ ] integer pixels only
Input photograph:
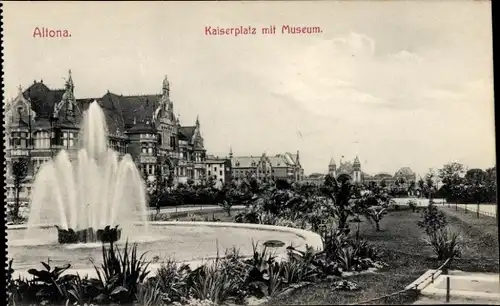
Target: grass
[
  {"x": 408, "y": 257},
  {"x": 480, "y": 240}
]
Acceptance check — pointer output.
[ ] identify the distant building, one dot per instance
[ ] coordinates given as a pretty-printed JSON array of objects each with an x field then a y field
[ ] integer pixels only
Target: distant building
[
  {"x": 316, "y": 178},
  {"x": 41, "y": 121},
  {"x": 403, "y": 176},
  {"x": 280, "y": 166},
  {"x": 219, "y": 169},
  {"x": 352, "y": 171}
]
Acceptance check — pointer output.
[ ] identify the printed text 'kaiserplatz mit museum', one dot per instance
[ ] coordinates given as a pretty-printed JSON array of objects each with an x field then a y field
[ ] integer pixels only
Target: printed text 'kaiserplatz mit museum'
[{"x": 267, "y": 30}]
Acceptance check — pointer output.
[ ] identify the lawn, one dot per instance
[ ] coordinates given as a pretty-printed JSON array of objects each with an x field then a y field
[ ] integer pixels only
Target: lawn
[
  {"x": 408, "y": 256},
  {"x": 480, "y": 240}
]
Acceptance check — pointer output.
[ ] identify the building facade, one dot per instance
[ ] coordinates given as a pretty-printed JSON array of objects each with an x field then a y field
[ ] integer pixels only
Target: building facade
[
  {"x": 219, "y": 169},
  {"x": 280, "y": 166},
  {"x": 41, "y": 121}
]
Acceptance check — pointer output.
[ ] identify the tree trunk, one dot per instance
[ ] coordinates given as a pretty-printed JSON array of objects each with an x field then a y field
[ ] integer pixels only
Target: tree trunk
[
  {"x": 15, "y": 209},
  {"x": 377, "y": 225}
]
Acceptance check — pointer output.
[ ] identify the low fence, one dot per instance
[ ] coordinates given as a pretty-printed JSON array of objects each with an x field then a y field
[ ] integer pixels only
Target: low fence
[
  {"x": 489, "y": 210},
  {"x": 415, "y": 287}
]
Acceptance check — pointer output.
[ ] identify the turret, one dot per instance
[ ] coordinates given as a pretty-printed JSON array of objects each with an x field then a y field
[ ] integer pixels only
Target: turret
[
  {"x": 356, "y": 166},
  {"x": 166, "y": 86},
  {"x": 332, "y": 167}
]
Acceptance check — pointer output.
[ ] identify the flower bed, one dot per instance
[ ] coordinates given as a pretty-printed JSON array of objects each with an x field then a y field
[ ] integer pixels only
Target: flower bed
[{"x": 229, "y": 279}]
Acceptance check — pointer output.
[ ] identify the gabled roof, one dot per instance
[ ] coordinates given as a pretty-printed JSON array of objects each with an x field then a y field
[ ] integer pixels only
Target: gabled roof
[
  {"x": 140, "y": 107},
  {"x": 405, "y": 171},
  {"x": 186, "y": 132},
  {"x": 43, "y": 99}
]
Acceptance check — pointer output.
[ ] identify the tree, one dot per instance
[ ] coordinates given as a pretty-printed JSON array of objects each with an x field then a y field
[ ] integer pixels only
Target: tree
[
  {"x": 19, "y": 173},
  {"x": 421, "y": 186},
  {"x": 475, "y": 179},
  {"x": 432, "y": 219},
  {"x": 411, "y": 187},
  {"x": 490, "y": 181},
  {"x": 170, "y": 177},
  {"x": 226, "y": 197},
  {"x": 383, "y": 183},
  {"x": 160, "y": 182},
  {"x": 430, "y": 184},
  {"x": 451, "y": 176}
]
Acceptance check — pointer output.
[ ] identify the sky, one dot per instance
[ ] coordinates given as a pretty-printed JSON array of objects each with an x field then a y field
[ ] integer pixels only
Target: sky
[{"x": 401, "y": 84}]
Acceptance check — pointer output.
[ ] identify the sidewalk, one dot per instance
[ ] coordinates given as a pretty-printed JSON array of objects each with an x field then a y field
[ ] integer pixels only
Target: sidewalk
[
  {"x": 465, "y": 288},
  {"x": 190, "y": 208}
]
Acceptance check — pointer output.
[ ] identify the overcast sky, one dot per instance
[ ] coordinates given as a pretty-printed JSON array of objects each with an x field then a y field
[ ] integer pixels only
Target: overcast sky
[{"x": 399, "y": 83}]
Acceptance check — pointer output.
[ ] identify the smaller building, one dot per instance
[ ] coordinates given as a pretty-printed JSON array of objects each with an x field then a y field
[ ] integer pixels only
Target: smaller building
[
  {"x": 219, "y": 169},
  {"x": 280, "y": 166}
]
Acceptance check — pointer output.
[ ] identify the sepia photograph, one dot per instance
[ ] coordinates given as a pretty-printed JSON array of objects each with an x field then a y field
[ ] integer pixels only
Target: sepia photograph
[{"x": 249, "y": 153}]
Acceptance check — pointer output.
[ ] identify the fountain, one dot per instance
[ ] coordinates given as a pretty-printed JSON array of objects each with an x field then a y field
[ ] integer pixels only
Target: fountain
[
  {"x": 89, "y": 195},
  {"x": 92, "y": 195}
]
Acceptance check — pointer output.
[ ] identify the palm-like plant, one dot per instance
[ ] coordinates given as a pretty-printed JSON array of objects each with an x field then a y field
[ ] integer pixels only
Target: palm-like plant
[
  {"x": 375, "y": 214},
  {"x": 342, "y": 195}
]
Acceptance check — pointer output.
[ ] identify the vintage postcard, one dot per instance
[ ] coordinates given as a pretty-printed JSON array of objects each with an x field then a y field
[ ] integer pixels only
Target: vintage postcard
[{"x": 249, "y": 152}]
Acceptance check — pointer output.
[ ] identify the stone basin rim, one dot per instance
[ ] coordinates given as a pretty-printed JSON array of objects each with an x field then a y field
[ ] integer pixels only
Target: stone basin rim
[{"x": 312, "y": 239}]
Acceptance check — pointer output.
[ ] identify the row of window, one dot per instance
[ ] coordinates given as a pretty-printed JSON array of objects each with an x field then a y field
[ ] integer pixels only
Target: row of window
[
  {"x": 252, "y": 171},
  {"x": 42, "y": 140},
  {"x": 215, "y": 172},
  {"x": 254, "y": 164}
]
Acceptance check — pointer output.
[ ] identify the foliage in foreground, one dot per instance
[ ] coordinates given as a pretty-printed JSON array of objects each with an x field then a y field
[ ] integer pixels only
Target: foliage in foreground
[
  {"x": 445, "y": 243},
  {"x": 122, "y": 278}
]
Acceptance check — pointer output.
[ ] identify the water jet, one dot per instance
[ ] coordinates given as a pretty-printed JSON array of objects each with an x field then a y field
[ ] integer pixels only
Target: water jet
[{"x": 88, "y": 189}]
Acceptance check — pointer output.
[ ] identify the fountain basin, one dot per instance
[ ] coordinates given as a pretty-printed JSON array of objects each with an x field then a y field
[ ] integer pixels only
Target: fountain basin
[
  {"x": 108, "y": 234},
  {"x": 177, "y": 240}
]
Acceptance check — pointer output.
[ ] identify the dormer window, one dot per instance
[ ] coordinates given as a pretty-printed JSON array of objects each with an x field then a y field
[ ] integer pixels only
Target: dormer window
[{"x": 237, "y": 164}]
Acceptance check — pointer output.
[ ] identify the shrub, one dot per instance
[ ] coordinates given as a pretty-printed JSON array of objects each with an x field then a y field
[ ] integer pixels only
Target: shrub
[
  {"x": 211, "y": 282},
  {"x": 121, "y": 273},
  {"x": 413, "y": 205},
  {"x": 172, "y": 281},
  {"x": 445, "y": 243},
  {"x": 148, "y": 294},
  {"x": 432, "y": 219}
]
